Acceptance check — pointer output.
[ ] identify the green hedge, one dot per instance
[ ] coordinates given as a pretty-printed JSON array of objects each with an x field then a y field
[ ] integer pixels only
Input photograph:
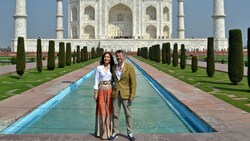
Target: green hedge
[
  {"x": 61, "y": 59},
  {"x": 78, "y": 55},
  {"x": 164, "y": 53},
  {"x": 144, "y": 52},
  {"x": 93, "y": 53},
  {"x": 100, "y": 52},
  {"x": 68, "y": 54},
  {"x": 175, "y": 55},
  {"x": 194, "y": 65},
  {"x": 168, "y": 54},
  {"x": 20, "y": 57},
  {"x": 248, "y": 56},
  {"x": 82, "y": 55},
  {"x": 139, "y": 52},
  {"x": 210, "y": 57},
  {"x": 51, "y": 56},
  {"x": 235, "y": 56},
  {"x": 39, "y": 61},
  {"x": 157, "y": 53},
  {"x": 151, "y": 53},
  {"x": 74, "y": 57},
  {"x": 183, "y": 57},
  {"x": 85, "y": 51}
]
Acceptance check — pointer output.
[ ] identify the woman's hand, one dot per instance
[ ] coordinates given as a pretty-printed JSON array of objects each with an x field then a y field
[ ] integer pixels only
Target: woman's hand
[{"x": 95, "y": 94}]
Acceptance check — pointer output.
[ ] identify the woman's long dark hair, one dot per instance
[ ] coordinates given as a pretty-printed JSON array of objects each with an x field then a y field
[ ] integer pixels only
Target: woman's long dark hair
[{"x": 112, "y": 62}]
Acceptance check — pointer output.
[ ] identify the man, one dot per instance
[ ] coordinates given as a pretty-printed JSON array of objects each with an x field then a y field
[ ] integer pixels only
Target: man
[{"x": 123, "y": 93}]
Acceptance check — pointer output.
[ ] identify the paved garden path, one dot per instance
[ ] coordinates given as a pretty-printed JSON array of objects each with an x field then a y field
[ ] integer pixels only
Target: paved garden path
[
  {"x": 218, "y": 66},
  {"x": 12, "y": 68}
]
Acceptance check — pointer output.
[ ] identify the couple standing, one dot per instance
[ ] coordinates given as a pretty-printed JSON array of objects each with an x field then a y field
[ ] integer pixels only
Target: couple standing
[{"x": 109, "y": 97}]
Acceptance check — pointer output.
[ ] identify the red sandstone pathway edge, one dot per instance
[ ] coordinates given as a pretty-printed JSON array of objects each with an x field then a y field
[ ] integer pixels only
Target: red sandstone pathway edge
[{"x": 231, "y": 123}]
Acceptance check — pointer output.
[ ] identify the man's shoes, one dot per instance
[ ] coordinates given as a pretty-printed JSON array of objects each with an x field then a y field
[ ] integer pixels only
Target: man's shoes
[
  {"x": 113, "y": 136},
  {"x": 131, "y": 137}
]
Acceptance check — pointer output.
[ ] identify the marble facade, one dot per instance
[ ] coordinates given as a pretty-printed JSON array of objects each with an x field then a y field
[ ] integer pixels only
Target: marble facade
[{"x": 121, "y": 24}]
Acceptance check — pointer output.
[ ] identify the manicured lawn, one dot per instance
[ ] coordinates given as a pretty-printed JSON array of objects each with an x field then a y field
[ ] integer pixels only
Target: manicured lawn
[
  {"x": 219, "y": 85},
  {"x": 10, "y": 84}
]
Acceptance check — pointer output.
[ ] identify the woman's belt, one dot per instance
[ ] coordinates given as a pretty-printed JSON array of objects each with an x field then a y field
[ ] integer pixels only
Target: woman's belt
[{"x": 105, "y": 82}]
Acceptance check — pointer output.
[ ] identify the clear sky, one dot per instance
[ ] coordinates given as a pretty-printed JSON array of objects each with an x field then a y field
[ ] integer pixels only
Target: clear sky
[{"x": 198, "y": 21}]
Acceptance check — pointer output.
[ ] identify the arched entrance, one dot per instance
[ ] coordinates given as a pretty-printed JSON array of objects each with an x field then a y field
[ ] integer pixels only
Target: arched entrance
[
  {"x": 89, "y": 32},
  {"x": 151, "y": 32},
  {"x": 120, "y": 22}
]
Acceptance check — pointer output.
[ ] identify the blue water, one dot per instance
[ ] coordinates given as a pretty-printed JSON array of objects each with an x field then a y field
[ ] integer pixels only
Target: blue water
[{"x": 75, "y": 113}]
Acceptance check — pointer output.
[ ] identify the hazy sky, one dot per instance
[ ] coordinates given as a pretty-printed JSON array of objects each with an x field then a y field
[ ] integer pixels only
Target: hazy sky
[{"x": 198, "y": 21}]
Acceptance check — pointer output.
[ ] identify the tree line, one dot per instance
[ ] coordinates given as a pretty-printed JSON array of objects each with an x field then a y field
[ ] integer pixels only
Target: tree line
[
  {"x": 235, "y": 56},
  {"x": 65, "y": 57}
]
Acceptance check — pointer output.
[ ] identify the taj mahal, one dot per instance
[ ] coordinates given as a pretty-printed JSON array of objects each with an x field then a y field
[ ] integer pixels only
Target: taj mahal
[{"x": 121, "y": 24}]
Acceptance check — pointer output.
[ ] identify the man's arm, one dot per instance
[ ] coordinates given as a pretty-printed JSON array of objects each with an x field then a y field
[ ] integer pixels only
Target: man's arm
[{"x": 132, "y": 81}]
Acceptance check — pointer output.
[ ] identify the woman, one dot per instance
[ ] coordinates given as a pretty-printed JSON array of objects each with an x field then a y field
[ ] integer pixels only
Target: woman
[{"x": 102, "y": 96}]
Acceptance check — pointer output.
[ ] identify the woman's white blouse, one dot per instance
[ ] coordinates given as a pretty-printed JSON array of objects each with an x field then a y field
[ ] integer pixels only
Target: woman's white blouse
[{"x": 102, "y": 75}]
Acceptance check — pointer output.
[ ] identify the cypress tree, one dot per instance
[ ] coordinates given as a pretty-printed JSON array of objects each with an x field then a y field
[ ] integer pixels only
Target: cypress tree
[
  {"x": 183, "y": 57},
  {"x": 164, "y": 53},
  {"x": 210, "y": 57},
  {"x": 146, "y": 52},
  {"x": 51, "y": 56},
  {"x": 39, "y": 62},
  {"x": 152, "y": 53},
  {"x": 78, "y": 55},
  {"x": 157, "y": 54},
  {"x": 235, "y": 56},
  {"x": 175, "y": 55},
  {"x": 142, "y": 52},
  {"x": 194, "y": 65},
  {"x": 74, "y": 57},
  {"x": 93, "y": 53},
  {"x": 168, "y": 54},
  {"x": 82, "y": 55},
  {"x": 100, "y": 52},
  {"x": 85, "y": 51},
  {"x": 248, "y": 56},
  {"x": 68, "y": 54},
  {"x": 139, "y": 52},
  {"x": 151, "y": 56},
  {"x": 20, "y": 57},
  {"x": 61, "y": 59}
]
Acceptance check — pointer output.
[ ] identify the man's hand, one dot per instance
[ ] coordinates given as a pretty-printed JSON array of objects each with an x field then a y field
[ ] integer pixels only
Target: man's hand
[{"x": 131, "y": 99}]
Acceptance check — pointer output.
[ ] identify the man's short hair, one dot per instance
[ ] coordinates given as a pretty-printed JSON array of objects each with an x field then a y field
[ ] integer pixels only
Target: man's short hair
[{"x": 120, "y": 51}]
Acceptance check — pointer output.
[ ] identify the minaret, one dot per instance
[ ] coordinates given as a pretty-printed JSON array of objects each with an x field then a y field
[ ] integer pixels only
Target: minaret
[
  {"x": 220, "y": 41},
  {"x": 59, "y": 20},
  {"x": 181, "y": 25},
  {"x": 20, "y": 19},
  {"x": 218, "y": 20}
]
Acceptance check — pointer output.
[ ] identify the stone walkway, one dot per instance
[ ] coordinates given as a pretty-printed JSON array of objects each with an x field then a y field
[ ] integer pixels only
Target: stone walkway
[
  {"x": 231, "y": 123},
  {"x": 12, "y": 68},
  {"x": 218, "y": 66}
]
